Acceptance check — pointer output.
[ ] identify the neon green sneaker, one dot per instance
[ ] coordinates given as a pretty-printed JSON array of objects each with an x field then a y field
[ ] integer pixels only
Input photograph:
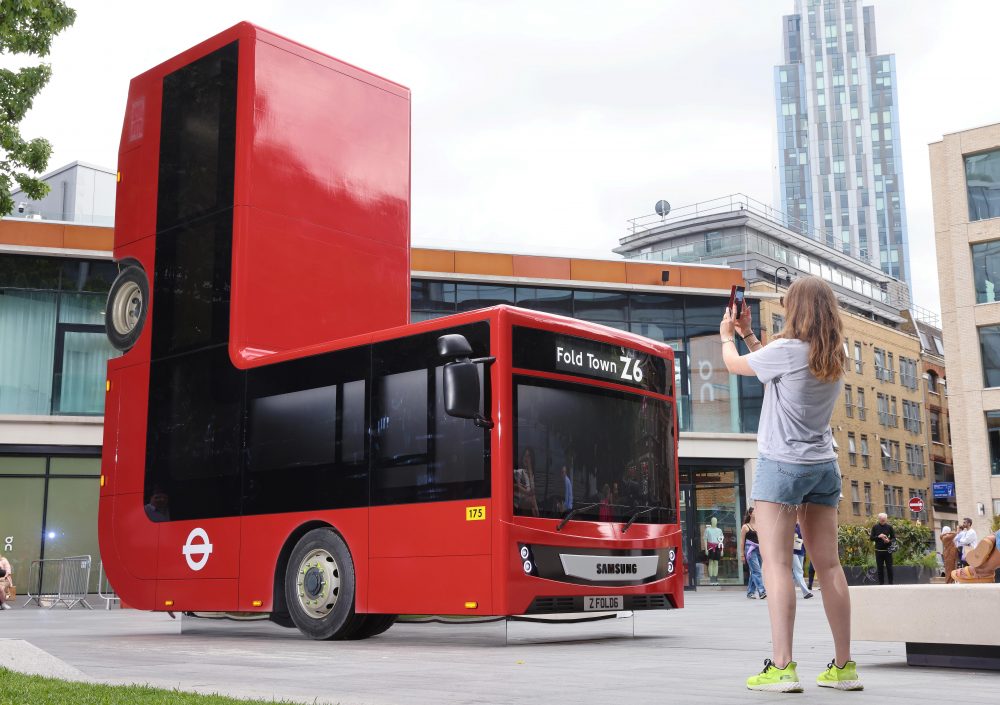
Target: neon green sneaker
[
  {"x": 776, "y": 680},
  {"x": 845, "y": 678}
]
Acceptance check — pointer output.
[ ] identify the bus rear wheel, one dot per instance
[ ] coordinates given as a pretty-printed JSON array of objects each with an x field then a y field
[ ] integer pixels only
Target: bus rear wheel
[
  {"x": 128, "y": 301},
  {"x": 320, "y": 585}
]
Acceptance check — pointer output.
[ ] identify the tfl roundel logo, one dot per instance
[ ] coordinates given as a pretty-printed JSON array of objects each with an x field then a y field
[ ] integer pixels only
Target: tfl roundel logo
[{"x": 197, "y": 549}]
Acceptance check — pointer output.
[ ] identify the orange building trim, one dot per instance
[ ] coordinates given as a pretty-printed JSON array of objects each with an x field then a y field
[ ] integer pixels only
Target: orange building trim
[
  {"x": 572, "y": 269},
  {"x": 33, "y": 233}
]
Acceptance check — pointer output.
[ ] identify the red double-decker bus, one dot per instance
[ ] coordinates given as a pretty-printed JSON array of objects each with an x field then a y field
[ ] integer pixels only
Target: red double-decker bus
[{"x": 279, "y": 439}]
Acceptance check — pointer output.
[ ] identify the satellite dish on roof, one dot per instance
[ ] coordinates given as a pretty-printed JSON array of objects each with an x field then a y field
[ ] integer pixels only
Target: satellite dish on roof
[{"x": 662, "y": 208}]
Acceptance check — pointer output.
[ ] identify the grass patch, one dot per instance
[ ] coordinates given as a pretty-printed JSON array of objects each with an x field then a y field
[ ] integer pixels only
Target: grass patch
[{"x": 19, "y": 689}]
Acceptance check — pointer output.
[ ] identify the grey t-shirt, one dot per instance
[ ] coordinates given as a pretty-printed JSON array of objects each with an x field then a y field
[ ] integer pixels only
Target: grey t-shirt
[{"x": 795, "y": 418}]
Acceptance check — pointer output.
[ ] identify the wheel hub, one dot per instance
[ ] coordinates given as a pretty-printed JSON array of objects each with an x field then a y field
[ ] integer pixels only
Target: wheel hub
[{"x": 318, "y": 583}]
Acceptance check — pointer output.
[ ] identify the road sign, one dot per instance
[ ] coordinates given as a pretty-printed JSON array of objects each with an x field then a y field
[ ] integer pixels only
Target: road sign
[{"x": 916, "y": 504}]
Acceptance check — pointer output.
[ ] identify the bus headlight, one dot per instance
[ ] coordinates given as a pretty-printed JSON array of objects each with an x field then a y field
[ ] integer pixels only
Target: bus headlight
[
  {"x": 671, "y": 555},
  {"x": 525, "y": 553},
  {"x": 528, "y": 567}
]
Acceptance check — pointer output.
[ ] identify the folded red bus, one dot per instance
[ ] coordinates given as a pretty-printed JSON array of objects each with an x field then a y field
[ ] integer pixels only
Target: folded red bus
[{"x": 278, "y": 439}]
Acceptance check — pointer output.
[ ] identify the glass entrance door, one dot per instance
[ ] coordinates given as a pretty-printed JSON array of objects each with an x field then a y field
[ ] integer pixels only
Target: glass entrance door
[{"x": 712, "y": 510}]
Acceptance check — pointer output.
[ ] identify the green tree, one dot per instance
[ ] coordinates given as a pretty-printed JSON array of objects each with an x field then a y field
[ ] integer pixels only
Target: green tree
[{"x": 26, "y": 27}]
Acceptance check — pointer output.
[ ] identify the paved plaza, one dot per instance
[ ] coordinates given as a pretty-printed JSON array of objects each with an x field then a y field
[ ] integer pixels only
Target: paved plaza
[{"x": 702, "y": 653}]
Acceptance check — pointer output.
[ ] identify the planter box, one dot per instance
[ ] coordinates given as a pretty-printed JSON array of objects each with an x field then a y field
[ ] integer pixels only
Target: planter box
[{"x": 901, "y": 575}]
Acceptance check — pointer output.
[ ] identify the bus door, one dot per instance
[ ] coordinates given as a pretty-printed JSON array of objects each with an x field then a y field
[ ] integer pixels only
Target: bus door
[{"x": 430, "y": 487}]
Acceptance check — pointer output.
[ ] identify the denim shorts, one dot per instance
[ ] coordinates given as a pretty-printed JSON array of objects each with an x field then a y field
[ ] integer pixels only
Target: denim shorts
[{"x": 794, "y": 483}]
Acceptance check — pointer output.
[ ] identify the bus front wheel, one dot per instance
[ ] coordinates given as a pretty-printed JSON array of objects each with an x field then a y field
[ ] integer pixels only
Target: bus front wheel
[{"x": 319, "y": 586}]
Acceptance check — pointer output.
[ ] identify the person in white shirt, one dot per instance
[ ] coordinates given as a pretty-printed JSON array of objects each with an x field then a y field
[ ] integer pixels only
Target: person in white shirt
[{"x": 965, "y": 539}]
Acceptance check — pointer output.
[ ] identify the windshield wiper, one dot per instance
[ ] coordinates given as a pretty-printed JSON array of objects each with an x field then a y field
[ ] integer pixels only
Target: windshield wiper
[
  {"x": 574, "y": 512},
  {"x": 639, "y": 512}
]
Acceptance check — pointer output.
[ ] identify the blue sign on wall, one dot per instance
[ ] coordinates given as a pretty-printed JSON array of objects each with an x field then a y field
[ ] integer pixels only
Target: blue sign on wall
[{"x": 944, "y": 490}]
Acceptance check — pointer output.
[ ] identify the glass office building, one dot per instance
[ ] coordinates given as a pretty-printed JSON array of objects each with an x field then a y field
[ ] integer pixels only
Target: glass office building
[
  {"x": 839, "y": 161},
  {"x": 53, "y": 359}
]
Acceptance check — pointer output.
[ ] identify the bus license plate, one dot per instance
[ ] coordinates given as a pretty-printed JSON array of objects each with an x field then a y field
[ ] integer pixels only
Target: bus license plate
[{"x": 603, "y": 603}]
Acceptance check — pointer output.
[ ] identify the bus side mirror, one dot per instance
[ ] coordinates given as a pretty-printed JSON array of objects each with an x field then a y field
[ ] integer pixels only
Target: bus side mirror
[
  {"x": 461, "y": 389},
  {"x": 461, "y": 379}
]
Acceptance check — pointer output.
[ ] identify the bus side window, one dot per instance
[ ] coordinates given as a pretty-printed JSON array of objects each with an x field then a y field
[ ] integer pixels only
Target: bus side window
[{"x": 420, "y": 454}]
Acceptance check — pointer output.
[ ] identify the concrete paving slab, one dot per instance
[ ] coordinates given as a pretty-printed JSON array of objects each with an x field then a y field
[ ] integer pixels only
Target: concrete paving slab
[{"x": 702, "y": 653}]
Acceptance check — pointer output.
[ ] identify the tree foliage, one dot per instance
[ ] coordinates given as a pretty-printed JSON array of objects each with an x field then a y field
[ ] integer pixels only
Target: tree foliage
[
  {"x": 914, "y": 541},
  {"x": 26, "y": 27}
]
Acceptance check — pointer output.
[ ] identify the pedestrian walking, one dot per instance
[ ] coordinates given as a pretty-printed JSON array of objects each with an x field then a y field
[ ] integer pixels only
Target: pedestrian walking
[
  {"x": 750, "y": 550},
  {"x": 884, "y": 537},
  {"x": 798, "y": 557},
  {"x": 797, "y": 473}
]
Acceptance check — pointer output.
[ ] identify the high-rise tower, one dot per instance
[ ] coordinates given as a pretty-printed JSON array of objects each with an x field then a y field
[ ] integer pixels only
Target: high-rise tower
[{"x": 839, "y": 161}]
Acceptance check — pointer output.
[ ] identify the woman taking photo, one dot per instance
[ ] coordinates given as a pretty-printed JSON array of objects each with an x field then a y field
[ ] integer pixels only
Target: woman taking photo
[
  {"x": 750, "y": 550},
  {"x": 797, "y": 477}
]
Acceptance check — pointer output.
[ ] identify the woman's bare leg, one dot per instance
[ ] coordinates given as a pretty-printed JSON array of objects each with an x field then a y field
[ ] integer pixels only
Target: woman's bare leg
[
  {"x": 776, "y": 528},
  {"x": 819, "y": 530}
]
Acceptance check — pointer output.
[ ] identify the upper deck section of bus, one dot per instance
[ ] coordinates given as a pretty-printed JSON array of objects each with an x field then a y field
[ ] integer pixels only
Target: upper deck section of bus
[{"x": 284, "y": 171}]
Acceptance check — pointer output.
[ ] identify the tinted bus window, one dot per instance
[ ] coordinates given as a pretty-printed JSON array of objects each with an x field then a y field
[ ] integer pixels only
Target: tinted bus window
[
  {"x": 193, "y": 439},
  {"x": 198, "y": 139},
  {"x": 191, "y": 286},
  {"x": 420, "y": 453},
  {"x": 306, "y": 436}
]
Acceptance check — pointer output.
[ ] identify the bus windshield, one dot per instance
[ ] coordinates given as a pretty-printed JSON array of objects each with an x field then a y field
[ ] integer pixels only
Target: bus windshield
[{"x": 577, "y": 445}]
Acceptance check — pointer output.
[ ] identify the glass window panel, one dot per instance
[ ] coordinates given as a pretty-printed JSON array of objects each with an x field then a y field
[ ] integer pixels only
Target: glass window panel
[
  {"x": 70, "y": 529},
  {"x": 982, "y": 180},
  {"x": 986, "y": 270},
  {"x": 88, "y": 275},
  {"x": 989, "y": 343},
  {"x": 473, "y": 296},
  {"x": 712, "y": 388},
  {"x": 27, "y": 329},
  {"x": 15, "y": 465},
  {"x": 23, "y": 272},
  {"x": 993, "y": 428},
  {"x": 558, "y": 301},
  {"x": 82, "y": 308},
  {"x": 84, "y": 369},
  {"x": 75, "y": 466},
  {"x": 657, "y": 308},
  {"x": 21, "y": 509},
  {"x": 660, "y": 332},
  {"x": 600, "y": 305},
  {"x": 418, "y": 316},
  {"x": 432, "y": 296},
  {"x": 702, "y": 314}
]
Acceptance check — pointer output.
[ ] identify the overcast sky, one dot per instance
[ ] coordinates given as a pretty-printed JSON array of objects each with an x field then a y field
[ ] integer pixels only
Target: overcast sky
[{"x": 542, "y": 126}]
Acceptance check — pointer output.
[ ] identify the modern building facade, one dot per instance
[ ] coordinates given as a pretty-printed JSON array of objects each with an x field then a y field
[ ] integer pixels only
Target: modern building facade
[
  {"x": 78, "y": 193},
  {"x": 839, "y": 163},
  {"x": 934, "y": 380},
  {"x": 880, "y": 428},
  {"x": 54, "y": 279},
  {"x": 965, "y": 181}
]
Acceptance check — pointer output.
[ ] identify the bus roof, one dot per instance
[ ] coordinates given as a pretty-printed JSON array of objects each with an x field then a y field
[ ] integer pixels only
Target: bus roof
[{"x": 502, "y": 315}]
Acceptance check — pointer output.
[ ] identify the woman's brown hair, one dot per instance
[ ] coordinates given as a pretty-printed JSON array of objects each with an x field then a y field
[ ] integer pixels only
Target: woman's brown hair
[{"x": 812, "y": 316}]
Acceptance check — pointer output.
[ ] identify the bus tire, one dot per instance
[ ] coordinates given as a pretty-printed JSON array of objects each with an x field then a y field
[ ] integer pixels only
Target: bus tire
[
  {"x": 282, "y": 619},
  {"x": 320, "y": 586},
  {"x": 374, "y": 625},
  {"x": 128, "y": 302}
]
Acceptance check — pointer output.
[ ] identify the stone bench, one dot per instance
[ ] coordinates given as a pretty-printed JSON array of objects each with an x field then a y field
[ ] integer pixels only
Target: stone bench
[{"x": 956, "y": 626}]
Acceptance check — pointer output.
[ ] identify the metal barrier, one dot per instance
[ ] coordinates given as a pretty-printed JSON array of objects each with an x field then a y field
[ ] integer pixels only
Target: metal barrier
[
  {"x": 59, "y": 581},
  {"x": 104, "y": 589}
]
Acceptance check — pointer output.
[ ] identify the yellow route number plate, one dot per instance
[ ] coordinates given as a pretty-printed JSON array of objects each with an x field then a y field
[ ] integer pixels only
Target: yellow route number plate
[{"x": 475, "y": 513}]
